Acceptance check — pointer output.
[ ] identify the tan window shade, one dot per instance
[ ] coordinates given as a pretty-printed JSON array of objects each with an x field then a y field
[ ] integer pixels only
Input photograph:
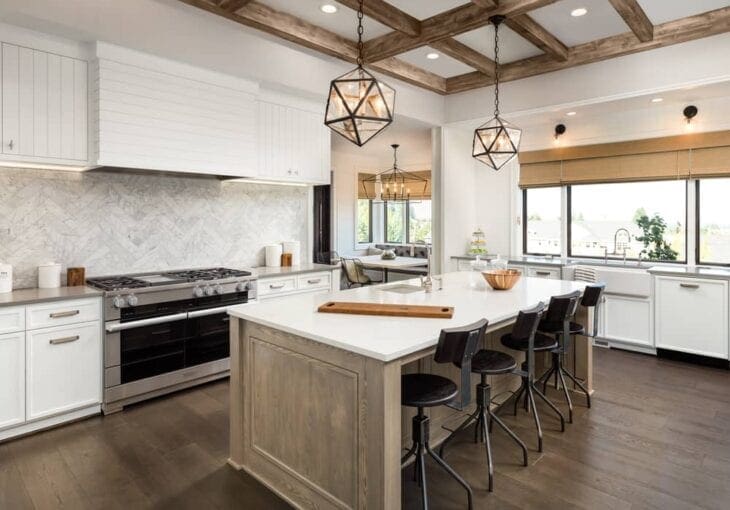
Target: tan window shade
[
  {"x": 710, "y": 162},
  {"x": 536, "y": 175},
  {"x": 417, "y": 191},
  {"x": 635, "y": 167}
]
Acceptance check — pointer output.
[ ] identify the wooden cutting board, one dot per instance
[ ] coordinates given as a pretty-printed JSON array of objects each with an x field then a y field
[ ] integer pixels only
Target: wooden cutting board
[{"x": 422, "y": 311}]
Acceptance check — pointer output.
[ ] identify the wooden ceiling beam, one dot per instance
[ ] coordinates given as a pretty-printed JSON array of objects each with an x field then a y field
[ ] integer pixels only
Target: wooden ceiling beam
[
  {"x": 635, "y": 18},
  {"x": 465, "y": 54},
  {"x": 531, "y": 30},
  {"x": 446, "y": 24},
  {"x": 673, "y": 32},
  {"x": 232, "y": 5},
  {"x": 388, "y": 15},
  {"x": 303, "y": 33},
  {"x": 486, "y": 4}
]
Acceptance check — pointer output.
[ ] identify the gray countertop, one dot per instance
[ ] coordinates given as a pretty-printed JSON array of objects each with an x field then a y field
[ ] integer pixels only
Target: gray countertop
[
  {"x": 521, "y": 259},
  {"x": 536, "y": 260},
  {"x": 30, "y": 296},
  {"x": 691, "y": 272},
  {"x": 270, "y": 272}
]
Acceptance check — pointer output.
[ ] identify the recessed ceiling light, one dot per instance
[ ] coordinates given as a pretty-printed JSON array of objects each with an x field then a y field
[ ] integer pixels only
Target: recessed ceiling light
[
  {"x": 570, "y": 114},
  {"x": 432, "y": 56},
  {"x": 328, "y": 8},
  {"x": 657, "y": 99},
  {"x": 580, "y": 11}
]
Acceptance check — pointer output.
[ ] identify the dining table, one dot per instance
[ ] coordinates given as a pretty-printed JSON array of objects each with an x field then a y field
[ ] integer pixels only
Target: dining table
[{"x": 384, "y": 265}]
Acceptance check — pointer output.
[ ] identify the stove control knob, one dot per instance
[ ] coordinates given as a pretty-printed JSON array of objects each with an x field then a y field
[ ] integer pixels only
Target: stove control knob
[
  {"x": 198, "y": 292},
  {"x": 208, "y": 290},
  {"x": 119, "y": 302},
  {"x": 218, "y": 289},
  {"x": 132, "y": 300},
  {"x": 242, "y": 286}
]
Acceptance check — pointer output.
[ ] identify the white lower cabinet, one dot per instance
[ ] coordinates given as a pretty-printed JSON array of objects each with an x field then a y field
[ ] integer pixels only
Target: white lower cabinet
[
  {"x": 692, "y": 315},
  {"x": 626, "y": 319},
  {"x": 315, "y": 282},
  {"x": 63, "y": 369},
  {"x": 549, "y": 273},
  {"x": 12, "y": 379}
]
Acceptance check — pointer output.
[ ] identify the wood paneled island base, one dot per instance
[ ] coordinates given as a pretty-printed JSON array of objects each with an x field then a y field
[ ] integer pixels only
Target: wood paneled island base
[{"x": 321, "y": 425}]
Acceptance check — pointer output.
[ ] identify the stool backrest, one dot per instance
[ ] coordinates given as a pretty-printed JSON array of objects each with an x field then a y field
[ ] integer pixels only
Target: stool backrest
[
  {"x": 353, "y": 270},
  {"x": 592, "y": 298},
  {"x": 458, "y": 346},
  {"x": 525, "y": 328},
  {"x": 562, "y": 308}
]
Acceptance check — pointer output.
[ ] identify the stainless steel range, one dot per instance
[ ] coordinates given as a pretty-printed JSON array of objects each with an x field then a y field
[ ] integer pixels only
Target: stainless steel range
[{"x": 167, "y": 331}]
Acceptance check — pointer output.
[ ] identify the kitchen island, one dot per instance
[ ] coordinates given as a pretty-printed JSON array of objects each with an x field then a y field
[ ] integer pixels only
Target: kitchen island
[{"x": 315, "y": 398}]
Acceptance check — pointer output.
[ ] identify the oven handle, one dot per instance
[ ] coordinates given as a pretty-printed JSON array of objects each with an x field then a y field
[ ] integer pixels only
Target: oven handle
[
  {"x": 209, "y": 311},
  {"x": 114, "y": 326}
]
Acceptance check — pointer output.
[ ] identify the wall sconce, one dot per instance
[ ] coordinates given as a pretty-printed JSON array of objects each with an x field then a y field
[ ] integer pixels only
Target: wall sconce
[
  {"x": 689, "y": 113},
  {"x": 559, "y": 131}
]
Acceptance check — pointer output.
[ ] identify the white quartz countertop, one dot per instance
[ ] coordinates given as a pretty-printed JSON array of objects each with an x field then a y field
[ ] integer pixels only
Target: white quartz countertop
[
  {"x": 268, "y": 272},
  {"x": 389, "y": 338}
]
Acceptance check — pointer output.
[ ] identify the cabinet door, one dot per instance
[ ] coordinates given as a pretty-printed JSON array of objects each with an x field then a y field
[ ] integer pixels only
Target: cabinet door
[
  {"x": 10, "y": 99},
  {"x": 12, "y": 379},
  {"x": 626, "y": 319},
  {"x": 692, "y": 316},
  {"x": 63, "y": 369},
  {"x": 544, "y": 272}
]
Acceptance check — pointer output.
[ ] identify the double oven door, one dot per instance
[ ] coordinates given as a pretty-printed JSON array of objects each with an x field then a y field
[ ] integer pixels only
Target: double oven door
[{"x": 156, "y": 339}]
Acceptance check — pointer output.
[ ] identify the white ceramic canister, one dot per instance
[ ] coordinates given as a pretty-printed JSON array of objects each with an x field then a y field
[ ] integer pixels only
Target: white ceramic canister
[
  {"x": 273, "y": 255},
  {"x": 6, "y": 278},
  {"x": 295, "y": 248},
  {"x": 49, "y": 275}
]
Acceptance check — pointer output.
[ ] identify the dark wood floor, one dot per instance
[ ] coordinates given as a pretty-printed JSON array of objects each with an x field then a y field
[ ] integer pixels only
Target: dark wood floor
[{"x": 658, "y": 436}]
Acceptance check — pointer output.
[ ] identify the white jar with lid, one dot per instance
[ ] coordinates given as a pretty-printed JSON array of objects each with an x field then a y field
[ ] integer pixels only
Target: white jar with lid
[
  {"x": 6, "y": 278},
  {"x": 49, "y": 275}
]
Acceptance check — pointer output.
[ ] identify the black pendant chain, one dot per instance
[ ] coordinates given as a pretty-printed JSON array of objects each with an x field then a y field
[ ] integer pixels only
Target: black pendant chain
[
  {"x": 496, "y": 20},
  {"x": 359, "y": 34}
]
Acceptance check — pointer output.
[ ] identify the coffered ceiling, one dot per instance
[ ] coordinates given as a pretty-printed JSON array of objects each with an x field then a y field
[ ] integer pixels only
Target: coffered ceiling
[{"x": 540, "y": 36}]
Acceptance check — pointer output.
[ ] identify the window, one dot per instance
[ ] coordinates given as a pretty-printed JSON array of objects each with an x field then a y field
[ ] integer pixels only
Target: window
[
  {"x": 364, "y": 220},
  {"x": 541, "y": 229},
  {"x": 630, "y": 218},
  {"x": 713, "y": 222},
  {"x": 419, "y": 222},
  {"x": 395, "y": 222}
]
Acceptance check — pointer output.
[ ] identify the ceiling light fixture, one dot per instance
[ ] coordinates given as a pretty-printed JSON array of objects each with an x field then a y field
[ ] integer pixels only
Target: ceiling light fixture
[
  {"x": 394, "y": 185},
  {"x": 432, "y": 56},
  {"x": 496, "y": 142},
  {"x": 570, "y": 114},
  {"x": 328, "y": 8},
  {"x": 580, "y": 11},
  {"x": 559, "y": 131},
  {"x": 689, "y": 113},
  {"x": 657, "y": 99},
  {"x": 359, "y": 106}
]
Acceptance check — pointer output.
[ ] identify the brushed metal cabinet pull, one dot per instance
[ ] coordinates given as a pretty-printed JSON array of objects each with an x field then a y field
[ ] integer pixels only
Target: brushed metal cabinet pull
[
  {"x": 689, "y": 285},
  {"x": 542, "y": 273},
  {"x": 11, "y": 145},
  {"x": 316, "y": 280},
  {"x": 279, "y": 286},
  {"x": 60, "y": 315},
  {"x": 64, "y": 340}
]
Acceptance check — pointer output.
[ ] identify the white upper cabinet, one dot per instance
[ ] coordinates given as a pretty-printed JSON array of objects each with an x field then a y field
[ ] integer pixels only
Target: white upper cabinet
[
  {"x": 294, "y": 144},
  {"x": 157, "y": 114},
  {"x": 44, "y": 107}
]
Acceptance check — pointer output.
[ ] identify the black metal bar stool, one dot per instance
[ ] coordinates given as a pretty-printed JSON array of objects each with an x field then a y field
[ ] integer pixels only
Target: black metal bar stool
[
  {"x": 563, "y": 328},
  {"x": 526, "y": 339},
  {"x": 457, "y": 346},
  {"x": 489, "y": 362}
]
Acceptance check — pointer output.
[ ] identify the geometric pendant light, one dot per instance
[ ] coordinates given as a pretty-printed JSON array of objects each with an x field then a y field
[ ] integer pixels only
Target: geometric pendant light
[
  {"x": 359, "y": 106},
  {"x": 395, "y": 185},
  {"x": 497, "y": 141}
]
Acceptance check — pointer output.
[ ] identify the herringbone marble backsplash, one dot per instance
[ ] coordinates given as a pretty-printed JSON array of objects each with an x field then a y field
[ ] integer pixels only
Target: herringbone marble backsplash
[{"x": 121, "y": 223}]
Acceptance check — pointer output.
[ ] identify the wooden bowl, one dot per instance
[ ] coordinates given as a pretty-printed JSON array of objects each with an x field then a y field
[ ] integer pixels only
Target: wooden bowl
[{"x": 502, "y": 279}]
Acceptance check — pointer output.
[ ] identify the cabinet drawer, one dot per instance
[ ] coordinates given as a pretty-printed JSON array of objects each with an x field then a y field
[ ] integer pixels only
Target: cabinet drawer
[
  {"x": 692, "y": 315},
  {"x": 12, "y": 319},
  {"x": 63, "y": 369},
  {"x": 12, "y": 379},
  {"x": 59, "y": 313},
  {"x": 270, "y": 286},
  {"x": 543, "y": 272},
  {"x": 314, "y": 281}
]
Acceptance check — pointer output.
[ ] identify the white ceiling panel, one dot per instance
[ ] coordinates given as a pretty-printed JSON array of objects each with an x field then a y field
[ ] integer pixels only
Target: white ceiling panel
[
  {"x": 661, "y": 11},
  {"x": 343, "y": 22},
  {"x": 422, "y": 9},
  {"x": 511, "y": 46},
  {"x": 601, "y": 21},
  {"x": 443, "y": 66}
]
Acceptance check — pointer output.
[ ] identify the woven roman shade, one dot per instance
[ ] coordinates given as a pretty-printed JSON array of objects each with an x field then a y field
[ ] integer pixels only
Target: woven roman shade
[
  {"x": 417, "y": 192},
  {"x": 710, "y": 162}
]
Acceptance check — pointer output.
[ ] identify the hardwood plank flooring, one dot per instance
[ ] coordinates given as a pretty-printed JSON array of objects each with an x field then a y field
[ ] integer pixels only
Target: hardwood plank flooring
[{"x": 657, "y": 437}]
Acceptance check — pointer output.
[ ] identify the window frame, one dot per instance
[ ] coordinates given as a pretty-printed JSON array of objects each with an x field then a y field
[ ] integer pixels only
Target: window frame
[
  {"x": 407, "y": 233},
  {"x": 698, "y": 261},
  {"x": 370, "y": 222},
  {"x": 569, "y": 226},
  {"x": 524, "y": 226}
]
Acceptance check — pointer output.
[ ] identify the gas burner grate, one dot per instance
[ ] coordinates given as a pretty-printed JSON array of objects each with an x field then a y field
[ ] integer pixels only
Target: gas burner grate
[
  {"x": 116, "y": 283},
  {"x": 215, "y": 273}
]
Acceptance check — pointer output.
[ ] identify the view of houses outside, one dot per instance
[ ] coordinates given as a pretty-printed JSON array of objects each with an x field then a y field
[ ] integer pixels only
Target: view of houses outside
[{"x": 714, "y": 201}]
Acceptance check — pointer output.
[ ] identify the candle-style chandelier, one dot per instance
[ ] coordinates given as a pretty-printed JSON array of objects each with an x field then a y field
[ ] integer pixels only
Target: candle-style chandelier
[{"x": 394, "y": 185}]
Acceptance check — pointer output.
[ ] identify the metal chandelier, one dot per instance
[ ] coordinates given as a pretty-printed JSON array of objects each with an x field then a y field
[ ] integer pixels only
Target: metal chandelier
[
  {"x": 394, "y": 185},
  {"x": 496, "y": 142},
  {"x": 359, "y": 106}
]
